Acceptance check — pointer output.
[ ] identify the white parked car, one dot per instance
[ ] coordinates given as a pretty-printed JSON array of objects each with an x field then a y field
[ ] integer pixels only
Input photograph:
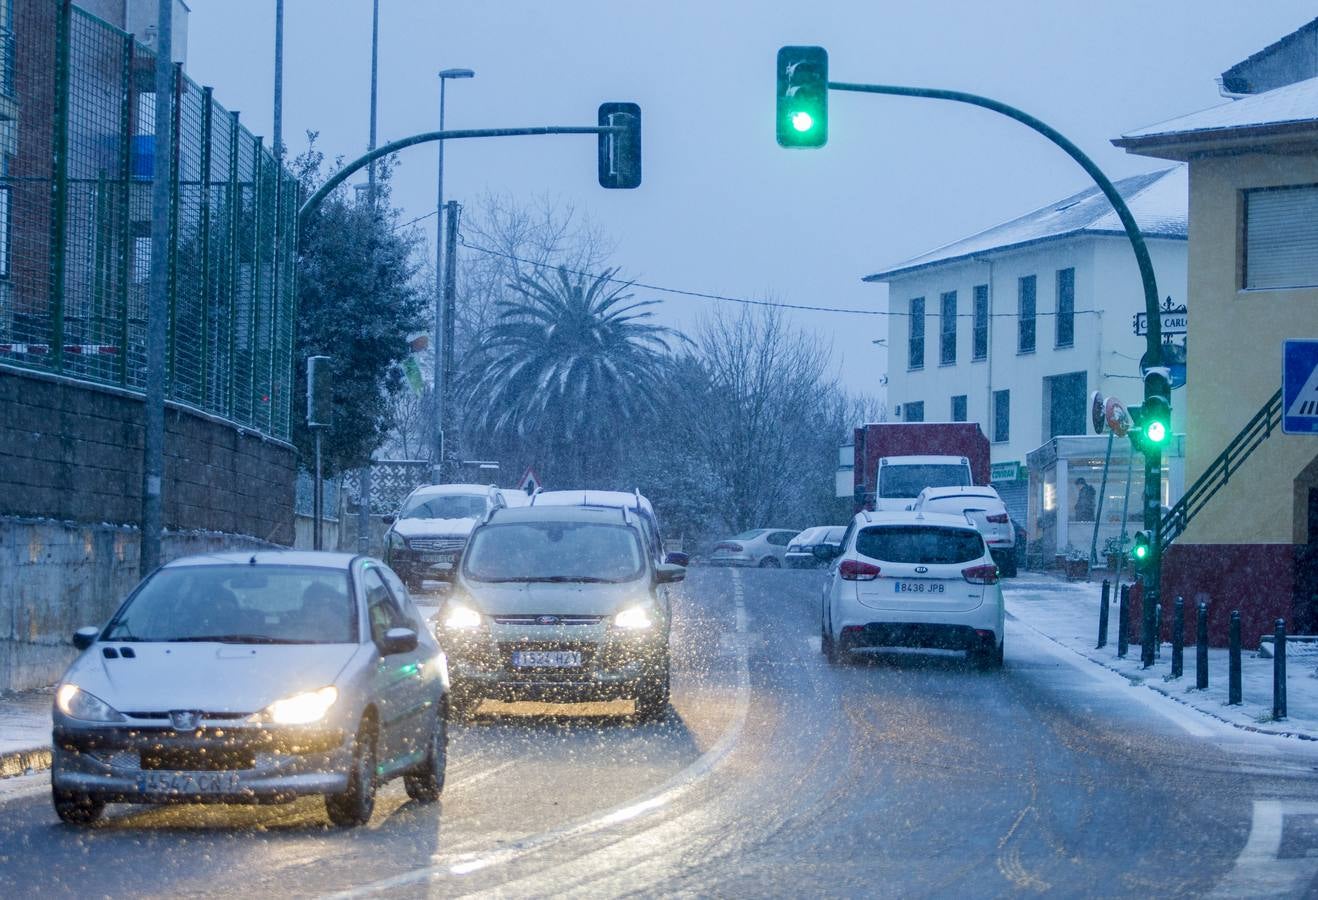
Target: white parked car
[
  {"x": 913, "y": 579},
  {"x": 984, "y": 509},
  {"x": 762, "y": 547}
]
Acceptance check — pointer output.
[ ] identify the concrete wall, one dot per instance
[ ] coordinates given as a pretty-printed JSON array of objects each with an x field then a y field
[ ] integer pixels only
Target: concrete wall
[
  {"x": 1241, "y": 333},
  {"x": 56, "y": 577},
  {"x": 72, "y": 451}
]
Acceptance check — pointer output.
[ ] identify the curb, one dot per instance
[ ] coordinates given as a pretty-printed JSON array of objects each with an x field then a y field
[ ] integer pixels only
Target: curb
[
  {"x": 1298, "y": 735},
  {"x": 24, "y": 762}
]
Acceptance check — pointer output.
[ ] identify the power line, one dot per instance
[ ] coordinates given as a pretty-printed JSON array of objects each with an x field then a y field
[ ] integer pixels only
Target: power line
[{"x": 723, "y": 297}]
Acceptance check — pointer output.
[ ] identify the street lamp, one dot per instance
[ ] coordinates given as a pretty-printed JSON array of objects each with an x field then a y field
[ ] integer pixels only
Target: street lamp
[{"x": 437, "y": 467}]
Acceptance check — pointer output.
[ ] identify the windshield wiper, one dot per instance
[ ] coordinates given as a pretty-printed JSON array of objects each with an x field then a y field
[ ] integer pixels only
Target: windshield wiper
[
  {"x": 582, "y": 579},
  {"x": 236, "y": 639}
]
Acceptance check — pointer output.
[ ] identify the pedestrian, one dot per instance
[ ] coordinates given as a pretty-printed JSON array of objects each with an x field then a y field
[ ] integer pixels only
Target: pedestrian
[{"x": 1084, "y": 501}]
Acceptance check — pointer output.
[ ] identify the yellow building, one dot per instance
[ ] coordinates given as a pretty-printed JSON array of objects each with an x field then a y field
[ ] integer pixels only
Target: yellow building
[{"x": 1253, "y": 284}]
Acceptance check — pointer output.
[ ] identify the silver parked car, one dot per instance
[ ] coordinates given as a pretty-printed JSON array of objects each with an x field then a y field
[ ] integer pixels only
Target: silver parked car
[
  {"x": 563, "y": 604},
  {"x": 253, "y": 678},
  {"x": 762, "y": 547}
]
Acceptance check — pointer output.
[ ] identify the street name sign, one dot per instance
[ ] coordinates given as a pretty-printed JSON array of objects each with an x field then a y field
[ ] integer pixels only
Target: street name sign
[{"x": 1299, "y": 387}]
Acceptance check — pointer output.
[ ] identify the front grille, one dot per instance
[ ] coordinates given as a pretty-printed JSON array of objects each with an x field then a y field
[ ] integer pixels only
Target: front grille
[
  {"x": 432, "y": 544},
  {"x": 201, "y": 759},
  {"x": 558, "y": 620},
  {"x": 157, "y": 716}
]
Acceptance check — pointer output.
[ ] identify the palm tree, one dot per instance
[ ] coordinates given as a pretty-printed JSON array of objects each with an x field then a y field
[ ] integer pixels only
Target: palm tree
[{"x": 568, "y": 363}]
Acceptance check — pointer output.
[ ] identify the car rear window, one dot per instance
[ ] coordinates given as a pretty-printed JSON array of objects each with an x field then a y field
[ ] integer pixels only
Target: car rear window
[{"x": 927, "y": 544}]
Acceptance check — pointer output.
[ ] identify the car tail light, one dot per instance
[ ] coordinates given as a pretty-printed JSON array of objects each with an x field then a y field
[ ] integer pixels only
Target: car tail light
[
  {"x": 854, "y": 570},
  {"x": 981, "y": 574},
  {"x": 728, "y": 545},
  {"x": 998, "y": 519}
]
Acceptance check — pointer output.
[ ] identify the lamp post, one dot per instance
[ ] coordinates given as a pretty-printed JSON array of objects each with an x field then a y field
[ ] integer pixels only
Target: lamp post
[{"x": 437, "y": 465}]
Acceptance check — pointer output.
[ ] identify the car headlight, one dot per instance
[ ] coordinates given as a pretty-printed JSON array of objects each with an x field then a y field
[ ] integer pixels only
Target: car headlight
[
  {"x": 460, "y": 617},
  {"x": 76, "y": 703},
  {"x": 302, "y": 709},
  {"x": 634, "y": 618},
  {"x": 396, "y": 541}
]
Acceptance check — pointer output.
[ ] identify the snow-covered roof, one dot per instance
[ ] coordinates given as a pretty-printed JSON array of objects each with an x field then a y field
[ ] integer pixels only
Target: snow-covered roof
[
  {"x": 1283, "y": 110},
  {"x": 1158, "y": 200}
]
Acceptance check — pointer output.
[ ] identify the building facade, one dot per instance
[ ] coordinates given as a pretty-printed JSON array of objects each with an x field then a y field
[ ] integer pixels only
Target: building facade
[
  {"x": 1253, "y": 284},
  {"x": 1015, "y": 327}
]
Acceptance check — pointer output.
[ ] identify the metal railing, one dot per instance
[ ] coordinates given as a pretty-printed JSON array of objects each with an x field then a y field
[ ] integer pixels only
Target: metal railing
[
  {"x": 76, "y": 182},
  {"x": 1219, "y": 471}
]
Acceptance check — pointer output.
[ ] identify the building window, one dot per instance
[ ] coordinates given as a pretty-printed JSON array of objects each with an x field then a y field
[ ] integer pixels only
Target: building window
[
  {"x": 947, "y": 329},
  {"x": 981, "y": 321},
  {"x": 915, "y": 357},
  {"x": 913, "y": 412},
  {"x": 1001, "y": 417},
  {"x": 1025, "y": 309},
  {"x": 1281, "y": 238},
  {"x": 959, "y": 408},
  {"x": 1064, "y": 404},
  {"x": 1066, "y": 307}
]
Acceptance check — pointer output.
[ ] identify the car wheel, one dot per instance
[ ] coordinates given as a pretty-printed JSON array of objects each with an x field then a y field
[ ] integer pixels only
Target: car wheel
[
  {"x": 991, "y": 657},
  {"x": 425, "y": 784},
  {"x": 770, "y": 562},
  {"x": 74, "y": 808},
  {"x": 652, "y": 698},
  {"x": 1006, "y": 563},
  {"x": 354, "y": 806}
]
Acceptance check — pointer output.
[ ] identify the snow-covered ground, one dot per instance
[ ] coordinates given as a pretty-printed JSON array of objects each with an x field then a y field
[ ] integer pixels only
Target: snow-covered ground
[{"x": 1068, "y": 614}]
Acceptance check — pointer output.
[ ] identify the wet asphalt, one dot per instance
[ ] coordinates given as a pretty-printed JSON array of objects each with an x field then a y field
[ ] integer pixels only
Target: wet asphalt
[{"x": 775, "y": 774}]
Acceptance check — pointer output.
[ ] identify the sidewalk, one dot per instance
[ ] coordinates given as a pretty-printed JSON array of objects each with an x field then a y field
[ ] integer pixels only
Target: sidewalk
[
  {"x": 25, "y": 732},
  {"x": 1067, "y": 612}
]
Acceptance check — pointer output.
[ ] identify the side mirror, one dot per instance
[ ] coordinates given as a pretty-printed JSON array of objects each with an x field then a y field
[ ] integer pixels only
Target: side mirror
[
  {"x": 677, "y": 558},
  {"x": 388, "y": 520},
  {"x": 826, "y": 552},
  {"x": 668, "y": 573},
  {"x": 86, "y": 636},
  {"x": 398, "y": 640}
]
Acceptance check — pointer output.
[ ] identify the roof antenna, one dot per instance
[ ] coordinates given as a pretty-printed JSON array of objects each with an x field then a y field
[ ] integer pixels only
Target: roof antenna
[{"x": 252, "y": 561}]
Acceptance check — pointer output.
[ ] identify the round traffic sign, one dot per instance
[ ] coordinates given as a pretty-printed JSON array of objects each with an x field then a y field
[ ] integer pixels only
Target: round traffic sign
[
  {"x": 1096, "y": 411},
  {"x": 1117, "y": 417}
]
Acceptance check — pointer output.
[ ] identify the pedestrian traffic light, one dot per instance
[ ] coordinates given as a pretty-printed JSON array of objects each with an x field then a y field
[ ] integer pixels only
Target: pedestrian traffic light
[
  {"x": 620, "y": 151},
  {"x": 1141, "y": 552},
  {"x": 802, "y": 97},
  {"x": 1155, "y": 415}
]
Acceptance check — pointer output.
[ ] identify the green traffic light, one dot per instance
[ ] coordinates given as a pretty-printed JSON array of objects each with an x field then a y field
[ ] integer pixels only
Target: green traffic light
[
  {"x": 802, "y": 121},
  {"x": 1141, "y": 552},
  {"x": 1156, "y": 432}
]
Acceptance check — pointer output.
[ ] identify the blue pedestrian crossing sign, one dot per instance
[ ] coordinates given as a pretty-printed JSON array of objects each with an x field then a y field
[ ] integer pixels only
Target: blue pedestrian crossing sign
[{"x": 1299, "y": 387}]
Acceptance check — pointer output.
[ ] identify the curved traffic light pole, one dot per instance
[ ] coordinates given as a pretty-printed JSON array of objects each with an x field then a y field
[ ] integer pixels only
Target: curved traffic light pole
[
  {"x": 304, "y": 212},
  {"x": 1153, "y": 354}
]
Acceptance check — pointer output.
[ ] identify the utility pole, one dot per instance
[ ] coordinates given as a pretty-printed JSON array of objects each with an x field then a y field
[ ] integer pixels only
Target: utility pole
[
  {"x": 153, "y": 444},
  {"x": 450, "y": 309},
  {"x": 364, "y": 486}
]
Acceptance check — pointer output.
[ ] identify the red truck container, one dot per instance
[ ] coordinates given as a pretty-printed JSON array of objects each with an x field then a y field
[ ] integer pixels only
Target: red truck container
[{"x": 873, "y": 442}]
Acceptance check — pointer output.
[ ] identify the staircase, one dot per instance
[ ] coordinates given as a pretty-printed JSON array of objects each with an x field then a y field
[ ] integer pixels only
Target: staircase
[{"x": 1219, "y": 472}]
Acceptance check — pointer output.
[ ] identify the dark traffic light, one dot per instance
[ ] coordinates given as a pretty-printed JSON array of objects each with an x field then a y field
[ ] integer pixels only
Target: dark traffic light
[
  {"x": 802, "y": 97},
  {"x": 620, "y": 151},
  {"x": 1141, "y": 552}
]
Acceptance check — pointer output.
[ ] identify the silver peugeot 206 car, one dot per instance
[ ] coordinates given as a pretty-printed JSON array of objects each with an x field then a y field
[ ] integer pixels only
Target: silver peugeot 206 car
[
  {"x": 561, "y": 604},
  {"x": 253, "y": 678}
]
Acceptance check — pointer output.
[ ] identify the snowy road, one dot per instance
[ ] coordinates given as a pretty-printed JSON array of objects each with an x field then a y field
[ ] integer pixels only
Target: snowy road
[{"x": 776, "y": 775}]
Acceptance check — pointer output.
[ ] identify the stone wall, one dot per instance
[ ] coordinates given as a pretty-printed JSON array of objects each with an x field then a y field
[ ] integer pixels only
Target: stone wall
[
  {"x": 72, "y": 451},
  {"x": 56, "y": 577}
]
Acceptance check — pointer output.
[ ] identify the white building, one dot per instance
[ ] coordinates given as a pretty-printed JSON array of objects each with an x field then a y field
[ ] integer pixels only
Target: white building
[{"x": 1014, "y": 327}]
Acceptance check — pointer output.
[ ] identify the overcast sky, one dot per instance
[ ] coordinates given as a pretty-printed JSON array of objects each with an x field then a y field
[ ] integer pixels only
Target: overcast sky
[{"x": 723, "y": 209}]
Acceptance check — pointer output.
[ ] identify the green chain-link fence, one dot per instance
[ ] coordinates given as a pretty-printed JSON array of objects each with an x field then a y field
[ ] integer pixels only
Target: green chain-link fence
[{"x": 77, "y": 111}]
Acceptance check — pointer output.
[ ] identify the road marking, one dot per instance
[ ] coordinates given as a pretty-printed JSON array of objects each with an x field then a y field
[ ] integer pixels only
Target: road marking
[
  {"x": 19, "y": 787},
  {"x": 1258, "y": 871},
  {"x": 664, "y": 795}
]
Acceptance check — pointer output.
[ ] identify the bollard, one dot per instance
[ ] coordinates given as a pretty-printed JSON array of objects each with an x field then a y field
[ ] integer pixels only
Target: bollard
[
  {"x": 1201, "y": 648},
  {"x": 1178, "y": 638},
  {"x": 1103, "y": 614},
  {"x": 1157, "y": 630},
  {"x": 1279, "y": 671},
  {"x": 1123, "y": 622},
  {"x": 1233, "y": 661}
]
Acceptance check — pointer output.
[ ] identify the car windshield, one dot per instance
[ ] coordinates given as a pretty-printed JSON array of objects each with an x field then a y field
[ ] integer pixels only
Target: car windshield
[
  {"x": 908, "y": 481},
  {"x": 445, "y": 506},
  {"x": 240, "y": 604},
  {"x": 554, "y": 551},
  {"x": 919, "y": 544}
]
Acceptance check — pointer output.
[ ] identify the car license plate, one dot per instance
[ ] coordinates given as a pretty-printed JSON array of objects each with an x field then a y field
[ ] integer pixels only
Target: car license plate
[
  {"x": 918, "y": 587},
  {"x": 439, "y": 560},
  {"x": 188, "y": 782},
  {"x": 546, "y": 659}
]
